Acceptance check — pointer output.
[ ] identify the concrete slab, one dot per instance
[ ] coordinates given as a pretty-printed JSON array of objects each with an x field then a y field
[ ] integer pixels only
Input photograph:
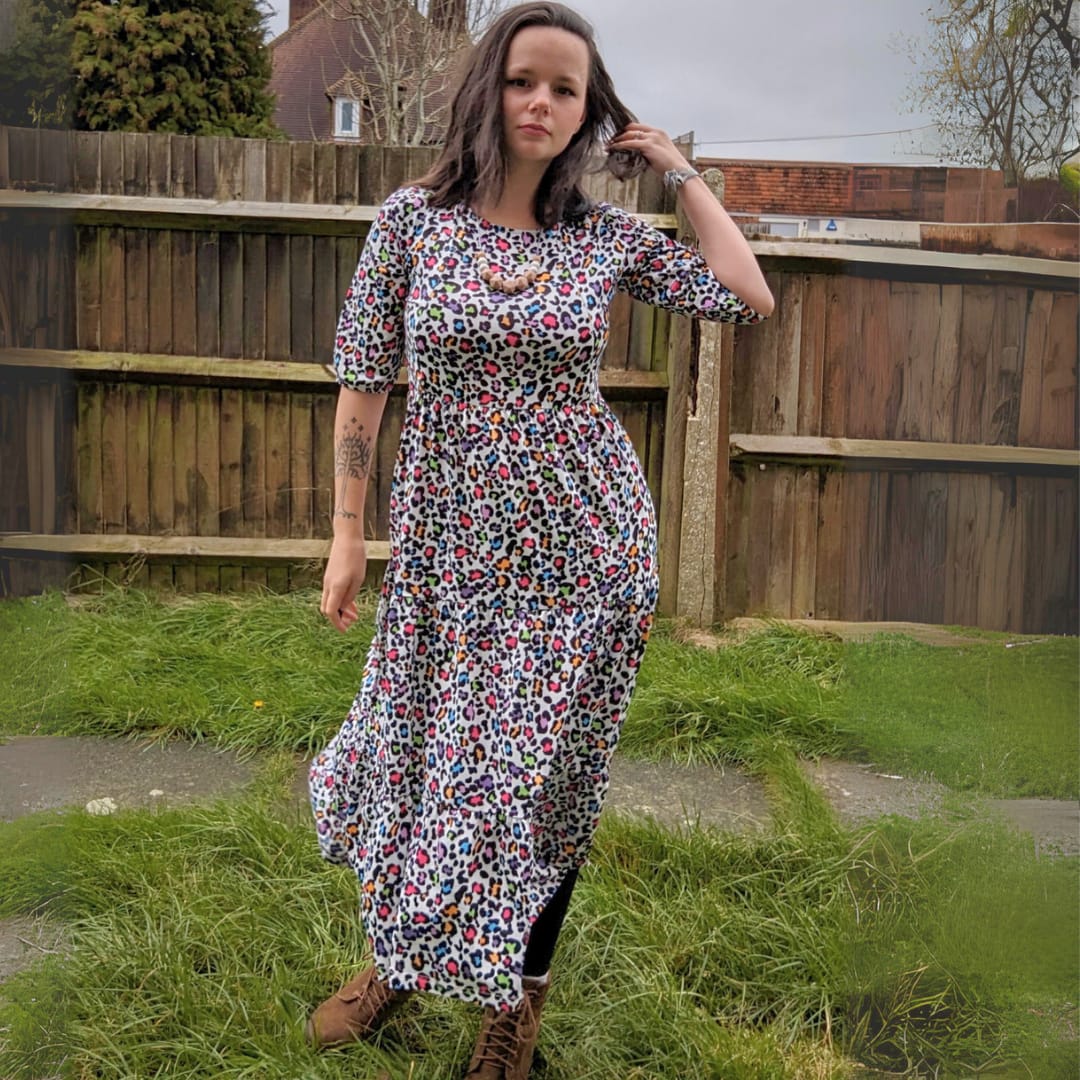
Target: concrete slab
[{"x": 44, "y": 772}]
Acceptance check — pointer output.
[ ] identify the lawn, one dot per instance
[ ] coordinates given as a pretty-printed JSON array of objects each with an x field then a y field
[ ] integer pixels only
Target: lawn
[{"x": 203, "y": 936}]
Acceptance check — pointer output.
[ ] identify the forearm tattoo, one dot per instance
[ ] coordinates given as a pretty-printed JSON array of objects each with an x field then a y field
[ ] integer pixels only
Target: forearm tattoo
[{"x": 352, "y": 462}]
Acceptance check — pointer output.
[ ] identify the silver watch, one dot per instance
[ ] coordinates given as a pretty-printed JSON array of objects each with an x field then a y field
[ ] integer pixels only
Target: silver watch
[{"x": 675, "y": 178}]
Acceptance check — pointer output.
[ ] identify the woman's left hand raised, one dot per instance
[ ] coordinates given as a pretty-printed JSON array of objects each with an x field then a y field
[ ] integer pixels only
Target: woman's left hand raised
[{"x": 656, "y": 146}]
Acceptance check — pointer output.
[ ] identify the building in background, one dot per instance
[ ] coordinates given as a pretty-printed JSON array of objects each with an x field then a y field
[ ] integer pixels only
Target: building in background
[
  {"x": 897, "y": 204},
  {"x": 337, "y": 64}
]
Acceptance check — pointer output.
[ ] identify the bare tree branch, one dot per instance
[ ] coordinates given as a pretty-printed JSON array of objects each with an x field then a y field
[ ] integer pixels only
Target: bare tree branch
[{"x": 998, "y": 77}]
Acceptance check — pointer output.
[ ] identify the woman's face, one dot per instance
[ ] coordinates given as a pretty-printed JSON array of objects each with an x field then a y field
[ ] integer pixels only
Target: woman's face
[{"x": 546, "y": 78}]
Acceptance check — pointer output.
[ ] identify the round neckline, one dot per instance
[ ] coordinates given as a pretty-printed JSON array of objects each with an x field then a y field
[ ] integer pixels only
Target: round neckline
[{"x": 484, "y": 223}]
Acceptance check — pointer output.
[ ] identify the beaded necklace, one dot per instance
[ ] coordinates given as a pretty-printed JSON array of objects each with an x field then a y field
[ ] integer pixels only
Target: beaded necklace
[{"x": 507, "y": 282}]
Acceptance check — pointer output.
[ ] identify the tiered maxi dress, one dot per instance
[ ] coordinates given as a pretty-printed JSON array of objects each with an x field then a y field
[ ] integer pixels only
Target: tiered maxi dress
[{"x": 468, "y": 776}]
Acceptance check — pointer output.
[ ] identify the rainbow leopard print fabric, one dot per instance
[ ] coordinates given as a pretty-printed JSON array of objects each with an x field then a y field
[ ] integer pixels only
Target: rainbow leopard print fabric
[{"x": 470, "y": 771}]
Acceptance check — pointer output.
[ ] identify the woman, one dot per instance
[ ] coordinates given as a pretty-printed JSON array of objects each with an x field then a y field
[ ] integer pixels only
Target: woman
[{"x": 466, "y": 783}]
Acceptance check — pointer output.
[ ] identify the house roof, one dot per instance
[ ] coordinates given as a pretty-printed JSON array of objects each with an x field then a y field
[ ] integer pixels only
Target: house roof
[{"x": 323, "y": 53}]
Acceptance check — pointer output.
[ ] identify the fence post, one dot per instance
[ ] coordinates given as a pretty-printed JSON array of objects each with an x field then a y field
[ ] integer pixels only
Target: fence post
[{"x": 700, "y": 596}]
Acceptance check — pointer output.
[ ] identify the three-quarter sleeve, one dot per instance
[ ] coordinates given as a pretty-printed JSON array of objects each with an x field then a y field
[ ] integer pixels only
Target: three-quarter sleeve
[
  {"x": 370, "y": 342},
  {"x": 658, "y": 270}
]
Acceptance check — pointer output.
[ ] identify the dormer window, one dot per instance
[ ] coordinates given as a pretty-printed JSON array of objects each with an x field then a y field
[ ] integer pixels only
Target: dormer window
[{"x": 347, "y": 117}]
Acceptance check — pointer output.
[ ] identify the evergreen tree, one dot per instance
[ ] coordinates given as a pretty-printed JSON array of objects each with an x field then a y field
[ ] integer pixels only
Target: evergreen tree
[
  {"x": 195, "y": 68},
  {"x": 36, "y": 88}
]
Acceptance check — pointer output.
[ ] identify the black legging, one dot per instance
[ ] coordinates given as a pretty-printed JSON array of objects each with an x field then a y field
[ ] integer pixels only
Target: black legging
[{"x": 545, "y": 931}]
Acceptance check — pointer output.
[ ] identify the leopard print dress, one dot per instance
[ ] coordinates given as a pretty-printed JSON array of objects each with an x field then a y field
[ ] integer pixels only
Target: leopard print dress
[{"x": 469, "y": 773}]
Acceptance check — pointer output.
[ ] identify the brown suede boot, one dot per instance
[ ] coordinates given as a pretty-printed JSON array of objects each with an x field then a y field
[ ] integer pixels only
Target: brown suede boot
[
  {"x": 359, "y": 1008},
  {"x": 507, "y": 1040}
]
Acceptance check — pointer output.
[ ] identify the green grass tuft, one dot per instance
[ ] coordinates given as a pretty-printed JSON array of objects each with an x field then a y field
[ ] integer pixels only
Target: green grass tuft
[
  {"x": 982, "y": 718},
  {"x": 734, "y": 703}
]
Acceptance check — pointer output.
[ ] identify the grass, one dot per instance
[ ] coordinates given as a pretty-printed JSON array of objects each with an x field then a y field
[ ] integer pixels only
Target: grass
[
  {"x": 984, "y": 718},
  {"x": 203, "y": 936},
  {"x": 260, "y": 672},
  {"x": 941, "y": 947}
]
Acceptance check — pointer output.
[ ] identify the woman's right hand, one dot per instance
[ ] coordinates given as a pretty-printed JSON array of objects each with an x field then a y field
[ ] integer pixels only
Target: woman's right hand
[{"x": 345, "y": 572}]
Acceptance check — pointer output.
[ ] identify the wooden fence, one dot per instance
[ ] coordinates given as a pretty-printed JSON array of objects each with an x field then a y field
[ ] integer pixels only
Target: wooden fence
[{"x": 898, "y": 441}]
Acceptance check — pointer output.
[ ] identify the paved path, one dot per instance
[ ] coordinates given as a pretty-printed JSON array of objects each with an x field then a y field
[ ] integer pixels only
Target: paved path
[{"x": 43, "y": 773}]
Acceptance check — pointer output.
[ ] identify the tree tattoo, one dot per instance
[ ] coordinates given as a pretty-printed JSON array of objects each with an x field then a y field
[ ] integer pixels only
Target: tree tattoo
[{"x": 352, "y": 461}]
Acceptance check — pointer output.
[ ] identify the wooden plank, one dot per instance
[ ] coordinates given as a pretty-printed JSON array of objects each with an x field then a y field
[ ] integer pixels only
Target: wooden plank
[
  {"x": 760, "y": 551},
  {"x": 184, "y": 315},
  {"x": 841, "y": 355},
  {"x": 231, "y": 303},
  {"x": 278, "y": 299},
  {"x": 208, "y": 469},
  {"x": 113, "y": 290},
  {"x": 159, "y": 330},
  {"x": 137, "y": 464},
  {"x": 804, "y": 542},
  {"x": 15, "y": 465},
  {"x": 883, "y": 450},
  {"x": 185, "y": 477},
  {"x": 206, "y": 166},
  {"x": 324, "y": 411},
  {"x": 60, "y": 289},
  {"x": 975, "y": 345},
  {"x": 158, "y": 165},
  {"x": 962, "y": 546},
  {"x": 346, "y": 169},
  {"x": 778, "y": 580},
  {"x": 161, "y": 460},
  {"x": 5, "y": 158},
  {"x": 182, "y": 164},
  {"x": 1000, "y": 596},
  {"x": 113, "y": 459},
  {"x": 229, "y": 181},
  {"x": 40, "y": 442},
  {"x": 915, "y": 325},
  {"x": 277, "y": 464},
  {"x": 258, "y": 157},
  {"x": 1033, "y": 386},
  {"x": 324, "y": 300},
  {"x": 870, "y": 379},
  {"x": 253, "y": 457},
  {"x": 1058, "y": 416},
  {"x": 136, "y": 161},
  {"x": 231, "y": 489},
  {"x": 194, "y": 547},
  {"x": 207, "y": 294},
  {"x": 1001, "y": 415},
  {"x": 301, "y": 457},
  {"x": 67, "y": 459},
  {"x": 828, "y": 590},
  {"x": 137, "y": 469},
  {"x": 88, "y": 450},
  {"x": 946, "y": 379},
  {"x": 204, "y": 212},
  {"x": 639, "y": 355},
  {"x": 136, "y": 269},
  {"x": 111, "y": 170},
  {"x": 377, "y": 500},
  {"x": 735, "y": 570},
  {"x": 811, "y": 354},
  {"x": 231, "y": 478},
  {"x": 87, "y": 163},
  {"x": 915, "y": 546},
  {"x": 301, "y": 258}
]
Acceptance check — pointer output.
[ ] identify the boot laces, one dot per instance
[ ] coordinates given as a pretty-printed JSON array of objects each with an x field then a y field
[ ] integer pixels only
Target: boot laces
[{"x": 500, "y": 1038}]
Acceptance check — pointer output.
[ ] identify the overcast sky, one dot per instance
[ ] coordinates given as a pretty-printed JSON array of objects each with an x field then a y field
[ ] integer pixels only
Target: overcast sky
[{"x": 784, "y": 71}]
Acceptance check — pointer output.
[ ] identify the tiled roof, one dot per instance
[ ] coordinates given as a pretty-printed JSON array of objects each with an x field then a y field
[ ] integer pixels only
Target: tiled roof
[{"x": 321, "y": 51}]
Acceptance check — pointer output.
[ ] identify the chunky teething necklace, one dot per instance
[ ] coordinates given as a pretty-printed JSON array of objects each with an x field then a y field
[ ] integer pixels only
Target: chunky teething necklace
[{"x": 507, "y": 283}]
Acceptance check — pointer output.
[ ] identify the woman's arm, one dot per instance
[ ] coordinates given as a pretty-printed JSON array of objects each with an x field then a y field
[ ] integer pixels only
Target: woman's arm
[
  {"x": 723, "y": 245},
  {"x": 356, "y": 429}
]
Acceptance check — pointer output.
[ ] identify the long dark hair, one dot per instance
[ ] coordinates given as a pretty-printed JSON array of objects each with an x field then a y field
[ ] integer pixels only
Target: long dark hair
[{"x": 472, "y": 164}]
